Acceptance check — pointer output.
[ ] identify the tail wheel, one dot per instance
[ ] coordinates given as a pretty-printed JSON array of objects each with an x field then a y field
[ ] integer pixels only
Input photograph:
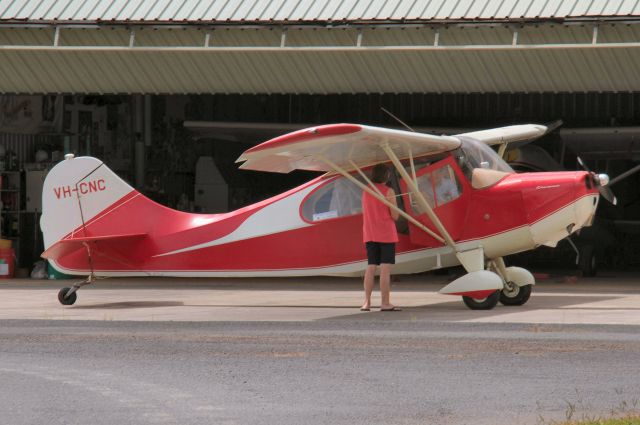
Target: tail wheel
[
  {"x": 515, "y": 295},
  {"x": 64, "y": 300},
  {"x": 482, "y": 303}
]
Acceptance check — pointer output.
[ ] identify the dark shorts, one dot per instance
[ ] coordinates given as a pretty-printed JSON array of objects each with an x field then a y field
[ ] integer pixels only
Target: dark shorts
[{"x": 381, "y": 253}]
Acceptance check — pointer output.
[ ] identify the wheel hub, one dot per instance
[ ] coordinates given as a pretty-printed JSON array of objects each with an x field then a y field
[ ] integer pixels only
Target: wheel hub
[{"x": 511, "y": 290}]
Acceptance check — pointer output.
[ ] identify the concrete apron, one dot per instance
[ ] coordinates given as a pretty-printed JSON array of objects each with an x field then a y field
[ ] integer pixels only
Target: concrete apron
[{"x": 559, "y": 300}]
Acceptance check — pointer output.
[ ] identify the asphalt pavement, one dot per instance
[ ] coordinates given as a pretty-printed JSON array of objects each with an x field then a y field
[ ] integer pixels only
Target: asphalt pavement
[{"x": 292, "y": 351}]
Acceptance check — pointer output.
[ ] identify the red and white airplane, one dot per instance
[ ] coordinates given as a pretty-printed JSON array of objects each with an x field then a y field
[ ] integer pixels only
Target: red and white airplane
[{"x": 459, "y": 203}]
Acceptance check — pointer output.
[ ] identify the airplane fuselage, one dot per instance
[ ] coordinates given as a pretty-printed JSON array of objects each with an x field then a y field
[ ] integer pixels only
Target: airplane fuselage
[{"x": 304, "y": 232}]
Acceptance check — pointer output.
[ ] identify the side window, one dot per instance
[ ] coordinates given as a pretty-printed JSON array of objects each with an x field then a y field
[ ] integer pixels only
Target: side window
[
  {"x": 446, "y": 184},
  {"x": 425, "y": 185},
  {"x": 339, "y": 198},
  {"x": 438, "y": 188}
]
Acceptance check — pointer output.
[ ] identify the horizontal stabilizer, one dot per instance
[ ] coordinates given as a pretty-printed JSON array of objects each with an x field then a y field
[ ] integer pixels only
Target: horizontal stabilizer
[{"x": 67, "y": 246}]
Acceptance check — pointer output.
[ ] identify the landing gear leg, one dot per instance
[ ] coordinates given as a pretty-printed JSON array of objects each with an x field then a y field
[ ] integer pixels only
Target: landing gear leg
[
  {"x": 518, "y": 283},
  {"x": 68, "y": 296},
  {"x": 513, "y": 294}
]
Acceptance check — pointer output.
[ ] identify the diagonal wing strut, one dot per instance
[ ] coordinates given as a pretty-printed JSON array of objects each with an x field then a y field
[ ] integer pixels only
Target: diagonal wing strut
[{"x": 370, "y": 188}]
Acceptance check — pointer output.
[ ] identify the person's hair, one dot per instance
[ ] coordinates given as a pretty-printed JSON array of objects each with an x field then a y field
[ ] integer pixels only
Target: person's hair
[{"x": 380, "y": 174}]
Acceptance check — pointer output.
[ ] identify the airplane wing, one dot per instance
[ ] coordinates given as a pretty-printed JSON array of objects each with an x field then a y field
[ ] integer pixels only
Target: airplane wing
[
  {"x": 512, "y": 133},
  {"x": 343, "y": 145}
]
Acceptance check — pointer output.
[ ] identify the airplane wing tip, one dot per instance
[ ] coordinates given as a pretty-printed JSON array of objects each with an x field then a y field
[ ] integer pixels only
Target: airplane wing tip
[{"x": 541, "y": 128}]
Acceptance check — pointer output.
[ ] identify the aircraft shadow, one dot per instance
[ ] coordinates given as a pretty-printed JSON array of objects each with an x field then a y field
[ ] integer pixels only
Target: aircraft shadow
[
  {"x": 455, "y": 307},
  {"x": 455, "y": 310},
  {"x": 307, "y": 283},
  {"x": 349, "y": 307},
  {"x": 130, "y": 304}
]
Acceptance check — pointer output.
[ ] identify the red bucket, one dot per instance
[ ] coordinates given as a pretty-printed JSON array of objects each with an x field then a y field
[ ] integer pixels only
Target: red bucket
[{"x": 7, "y": 257}]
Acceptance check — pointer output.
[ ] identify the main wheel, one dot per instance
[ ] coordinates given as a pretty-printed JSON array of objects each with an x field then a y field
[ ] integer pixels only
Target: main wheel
[
  {"x": 482, "y": 303},
  {"x": 70, "y": 300},
  {"x": 518, "y": 295}
]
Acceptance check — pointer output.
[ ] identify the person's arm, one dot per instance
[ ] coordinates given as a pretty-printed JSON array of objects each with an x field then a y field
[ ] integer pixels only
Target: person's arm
[{"x": 391, "y": 197}]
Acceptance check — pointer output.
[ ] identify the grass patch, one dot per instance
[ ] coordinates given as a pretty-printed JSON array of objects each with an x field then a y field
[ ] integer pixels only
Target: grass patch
[
  {"x": 626, "y": 420},
  {"x": 624, "y": 413}
]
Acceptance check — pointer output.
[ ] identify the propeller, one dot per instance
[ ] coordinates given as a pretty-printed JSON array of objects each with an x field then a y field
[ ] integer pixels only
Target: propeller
[
  {"x": 602, "y": 181},
  {"x": 624, "y": 175}
]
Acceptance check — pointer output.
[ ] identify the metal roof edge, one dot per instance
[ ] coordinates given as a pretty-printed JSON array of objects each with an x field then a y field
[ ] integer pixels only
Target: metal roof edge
[{"x": 320, "y": 23}]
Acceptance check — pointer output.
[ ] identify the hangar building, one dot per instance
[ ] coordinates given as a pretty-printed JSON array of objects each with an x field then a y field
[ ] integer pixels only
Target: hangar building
[{"x": 169, "y": 93}]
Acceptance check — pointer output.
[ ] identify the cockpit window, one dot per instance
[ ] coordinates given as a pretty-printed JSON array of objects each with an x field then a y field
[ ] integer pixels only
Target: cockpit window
[
  {"x": 338, "y": 198},
  {"x": 481, "y": 164},
  {"x": 473, "y": 154},
  {"x": 438, "y": 188},
  {"x": 447, "y": 186}
]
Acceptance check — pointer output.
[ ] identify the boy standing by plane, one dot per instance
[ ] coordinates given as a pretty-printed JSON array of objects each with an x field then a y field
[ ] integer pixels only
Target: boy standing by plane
[{"x": 380, "y": 237}]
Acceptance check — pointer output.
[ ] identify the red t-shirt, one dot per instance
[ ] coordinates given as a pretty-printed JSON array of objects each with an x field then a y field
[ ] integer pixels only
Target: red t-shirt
[{"x": 377, "y": 224}]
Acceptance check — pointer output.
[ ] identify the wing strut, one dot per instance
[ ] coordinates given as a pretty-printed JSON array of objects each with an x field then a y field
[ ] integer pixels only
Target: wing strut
[
  {"x": 365, "y": 178},
  {"x": 502, "y": 149},
  {"x": 377, "y": 195},
  {"x": 419, "y": 198}
]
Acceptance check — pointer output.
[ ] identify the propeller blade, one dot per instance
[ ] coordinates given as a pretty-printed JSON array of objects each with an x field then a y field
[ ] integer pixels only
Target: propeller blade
[
  {"x": 603, "y": 183},
  {"x": 584, "y": 167},
  {"x": 607, "y": 194},
  {"x": 624, "y": 175}
]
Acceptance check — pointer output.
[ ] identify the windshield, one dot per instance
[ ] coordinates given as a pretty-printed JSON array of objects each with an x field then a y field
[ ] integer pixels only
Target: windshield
[
  {"x": 481, "y": 164},
  {"x": 476, "y": 154}
]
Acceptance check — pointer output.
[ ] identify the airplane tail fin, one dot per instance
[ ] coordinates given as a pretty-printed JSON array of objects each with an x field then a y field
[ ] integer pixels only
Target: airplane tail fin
[{"x": 76, "y": 192}]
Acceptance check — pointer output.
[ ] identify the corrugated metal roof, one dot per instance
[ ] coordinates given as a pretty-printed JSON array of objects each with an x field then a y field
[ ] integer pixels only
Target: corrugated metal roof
[
  {"x": 297, "y": 11},
  {"x": 547, "y": 58},
  {"x": 598, "y": 70}
]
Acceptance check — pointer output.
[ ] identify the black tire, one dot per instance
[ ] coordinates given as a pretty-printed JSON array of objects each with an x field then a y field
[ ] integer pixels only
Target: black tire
[
  {"x": 518, "y": 296},
  {"x": 588, "y": 264},
  {"x": 482, "y": 304},
  {"x": 70, "y": 300}
]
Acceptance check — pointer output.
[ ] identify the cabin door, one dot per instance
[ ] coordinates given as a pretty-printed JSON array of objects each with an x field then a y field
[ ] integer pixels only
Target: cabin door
[{"x": 441, "y": 184}]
